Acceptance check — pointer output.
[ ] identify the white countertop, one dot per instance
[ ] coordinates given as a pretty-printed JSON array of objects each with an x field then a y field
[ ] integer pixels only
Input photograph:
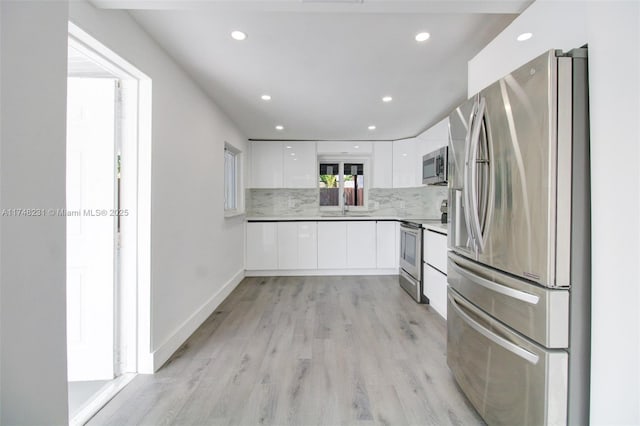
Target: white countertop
[
  {"x": 433, "y": 225},
  {"x": 312, "y": 218},
  {"x": 437, "y": 226}
]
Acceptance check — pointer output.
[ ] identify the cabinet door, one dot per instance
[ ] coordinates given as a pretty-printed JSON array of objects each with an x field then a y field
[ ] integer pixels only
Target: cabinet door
[
  {"x": 332, "y": 245},
  {"x": 266, "y": 164},
  {"x": 307, "y": 245},
  {"x": 297, "y": 245},
  {"x": 299, "y": 160},
  {"x": 361, "y": 244},
  {"x": 382, "y": 172},
  {"x": 435, "y": 288},
  {"x": 386, "y": 245},
  {"x": 407, "y": 167},
  {"x": 287, "y": 245},
  {"x": 435, "y": 250},
  {"x": 262, "y": 246},
  {"x": 433, "y": 138}
]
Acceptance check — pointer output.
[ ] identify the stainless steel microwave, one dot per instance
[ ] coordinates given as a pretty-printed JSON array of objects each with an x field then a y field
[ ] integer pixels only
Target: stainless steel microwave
[{"x": 434, "y": 167}]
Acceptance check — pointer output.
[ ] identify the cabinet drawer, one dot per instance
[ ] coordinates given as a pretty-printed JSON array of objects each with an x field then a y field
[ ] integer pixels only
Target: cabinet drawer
[
  {"x": 508, "y": 379},
  {"x": 435, "y": 250},
  {"x": 435, "y": 288}
]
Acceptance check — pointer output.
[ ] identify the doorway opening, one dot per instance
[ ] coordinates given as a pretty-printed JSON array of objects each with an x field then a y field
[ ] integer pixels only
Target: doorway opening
[{"x": 108, "y": 216}]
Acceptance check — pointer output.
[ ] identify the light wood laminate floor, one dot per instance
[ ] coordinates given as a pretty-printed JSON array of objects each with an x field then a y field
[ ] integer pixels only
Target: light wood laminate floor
[{"x": 304, "y": 351}]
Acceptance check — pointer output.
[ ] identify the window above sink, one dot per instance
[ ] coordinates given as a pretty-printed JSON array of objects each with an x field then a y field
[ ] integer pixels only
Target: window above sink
[{"x": 343, "y": 184}]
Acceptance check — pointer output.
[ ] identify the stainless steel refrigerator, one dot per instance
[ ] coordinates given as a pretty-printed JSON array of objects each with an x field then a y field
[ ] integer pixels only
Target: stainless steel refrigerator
[{"x": 519, "y": 239}]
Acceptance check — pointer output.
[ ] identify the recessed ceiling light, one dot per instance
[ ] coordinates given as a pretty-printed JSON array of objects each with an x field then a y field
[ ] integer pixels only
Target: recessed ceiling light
[
  {"x": 422, "y": 36},
  {"x": 266, "y": 97},
  {"x": 288, "y": 146},
  {"x": 279, "y": 127},
  {"x": 387, "y": 99},
  {"x": 524, "y": 36},
  {"x": 238, "y": 35},
  {"x": 356, "y": 146},
  {"x": 293, "y": 154},
  {"x": 372, "y": 127}
]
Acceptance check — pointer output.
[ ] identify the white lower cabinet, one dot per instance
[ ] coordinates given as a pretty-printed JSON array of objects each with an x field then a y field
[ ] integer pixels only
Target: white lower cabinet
[
  {"x": 262, "y": 246},
  {"x": 297, "y": 245},
  {"x": 434, "y": 273},
  {"x": 307, "y": 245},
  {"x": 332, "y": 245},
  {"x": 364, "y": 245},
  {"x": 387, "y": 244},
  {"x": 361, "y": 245},
  {"x": 435, "y": 249},
  {"x": 435, "y": 288}
]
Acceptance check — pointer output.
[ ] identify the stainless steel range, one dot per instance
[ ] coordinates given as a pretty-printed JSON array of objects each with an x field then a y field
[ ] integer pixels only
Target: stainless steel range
[{"x": 411, "y": 259}]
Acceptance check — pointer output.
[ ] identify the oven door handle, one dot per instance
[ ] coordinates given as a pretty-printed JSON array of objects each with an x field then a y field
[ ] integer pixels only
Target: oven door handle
[{"x": 498, "y": 340}]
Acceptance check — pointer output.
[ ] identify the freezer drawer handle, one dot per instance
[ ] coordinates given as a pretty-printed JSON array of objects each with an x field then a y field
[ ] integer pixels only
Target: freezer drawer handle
[
  {"x": 511, "y": 347},
  {"x": 510, "y": 292}
]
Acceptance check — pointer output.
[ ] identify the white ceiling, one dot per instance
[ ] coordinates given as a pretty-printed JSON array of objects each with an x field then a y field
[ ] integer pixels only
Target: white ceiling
[{"x": 327, "y": 64}]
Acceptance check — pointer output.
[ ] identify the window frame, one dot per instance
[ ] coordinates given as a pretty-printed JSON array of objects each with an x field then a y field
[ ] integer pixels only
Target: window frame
[
  {"x": 238, "y": 208},
  {"x": 341, "y": 160}
]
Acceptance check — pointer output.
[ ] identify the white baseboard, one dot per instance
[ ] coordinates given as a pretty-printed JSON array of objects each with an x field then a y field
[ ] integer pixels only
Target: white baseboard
[
  {"x": 319, "y": 272},
  {"x": 186, "y": 329}
]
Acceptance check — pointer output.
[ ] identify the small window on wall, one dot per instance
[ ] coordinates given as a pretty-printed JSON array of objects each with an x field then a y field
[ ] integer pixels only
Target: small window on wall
[
  {"x": 232, "y": 199},
  {"x": 342, "y": 183}
]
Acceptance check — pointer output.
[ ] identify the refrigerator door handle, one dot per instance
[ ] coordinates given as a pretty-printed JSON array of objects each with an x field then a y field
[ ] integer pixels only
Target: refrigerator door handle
[
  {"x": 458, "y": 305},
  {"x": 466, "y": 188},
  {"x": 473, "y": 169},
  {"x": 531, "y": 299}
]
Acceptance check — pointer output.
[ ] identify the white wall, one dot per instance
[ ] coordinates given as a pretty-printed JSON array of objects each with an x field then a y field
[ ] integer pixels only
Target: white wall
[
  {"x": 197, "y": 254},
  {"x": 612, "y": 29},
  {"x": 614, "y": 40},
  {"x": 554, "y": 24},
  {"x": 32, "y": 249}
]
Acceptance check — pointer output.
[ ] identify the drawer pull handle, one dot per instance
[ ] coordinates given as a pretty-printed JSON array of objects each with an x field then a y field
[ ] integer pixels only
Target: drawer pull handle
[
  {"x": 498, "y": 340},
  {"x": 507, "y": 291}
]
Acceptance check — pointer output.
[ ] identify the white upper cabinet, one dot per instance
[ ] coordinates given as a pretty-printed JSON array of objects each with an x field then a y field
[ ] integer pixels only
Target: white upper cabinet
[
  {"x": 433, "y": 138},
  {"x": 283, "y": 164},
  {"x": 382, "y": 165},
  {"x": 266, "y": 164},
  {"x": 300, "y": 164},
  {"x": 338, "y": 147},
  {"x": 407, "y": 164},
  {"x": 407, "y": 154}
]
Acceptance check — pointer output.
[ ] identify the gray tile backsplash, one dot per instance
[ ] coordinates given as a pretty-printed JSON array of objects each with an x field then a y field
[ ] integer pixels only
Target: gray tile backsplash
[{"x": 422, "y": 202}]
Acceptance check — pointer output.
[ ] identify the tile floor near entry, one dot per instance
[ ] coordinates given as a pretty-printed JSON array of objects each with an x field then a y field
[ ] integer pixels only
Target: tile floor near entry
[{"x": 304, "y": 351}]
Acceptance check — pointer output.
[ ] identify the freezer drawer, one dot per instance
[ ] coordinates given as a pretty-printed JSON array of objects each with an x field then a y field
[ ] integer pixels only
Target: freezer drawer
[
  {"x": 508, "y": 379},
  {"x": 540, "y": 313}
]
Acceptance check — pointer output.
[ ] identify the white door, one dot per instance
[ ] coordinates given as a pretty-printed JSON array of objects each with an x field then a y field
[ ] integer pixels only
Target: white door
[{"x": 90, "y": 228}]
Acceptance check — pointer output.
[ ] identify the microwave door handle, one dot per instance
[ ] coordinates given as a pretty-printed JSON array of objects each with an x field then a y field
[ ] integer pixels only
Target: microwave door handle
[
  {"x": 466, "y": 186},
  {"x": 473, "y": 175}
]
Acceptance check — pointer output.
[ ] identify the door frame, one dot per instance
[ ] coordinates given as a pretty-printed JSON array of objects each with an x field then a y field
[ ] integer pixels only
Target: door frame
[{"x": 135, "y": 244}]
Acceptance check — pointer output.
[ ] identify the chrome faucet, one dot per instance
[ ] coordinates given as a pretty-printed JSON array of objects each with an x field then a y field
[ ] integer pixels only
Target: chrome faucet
[{"x": 345, "y": 208}]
